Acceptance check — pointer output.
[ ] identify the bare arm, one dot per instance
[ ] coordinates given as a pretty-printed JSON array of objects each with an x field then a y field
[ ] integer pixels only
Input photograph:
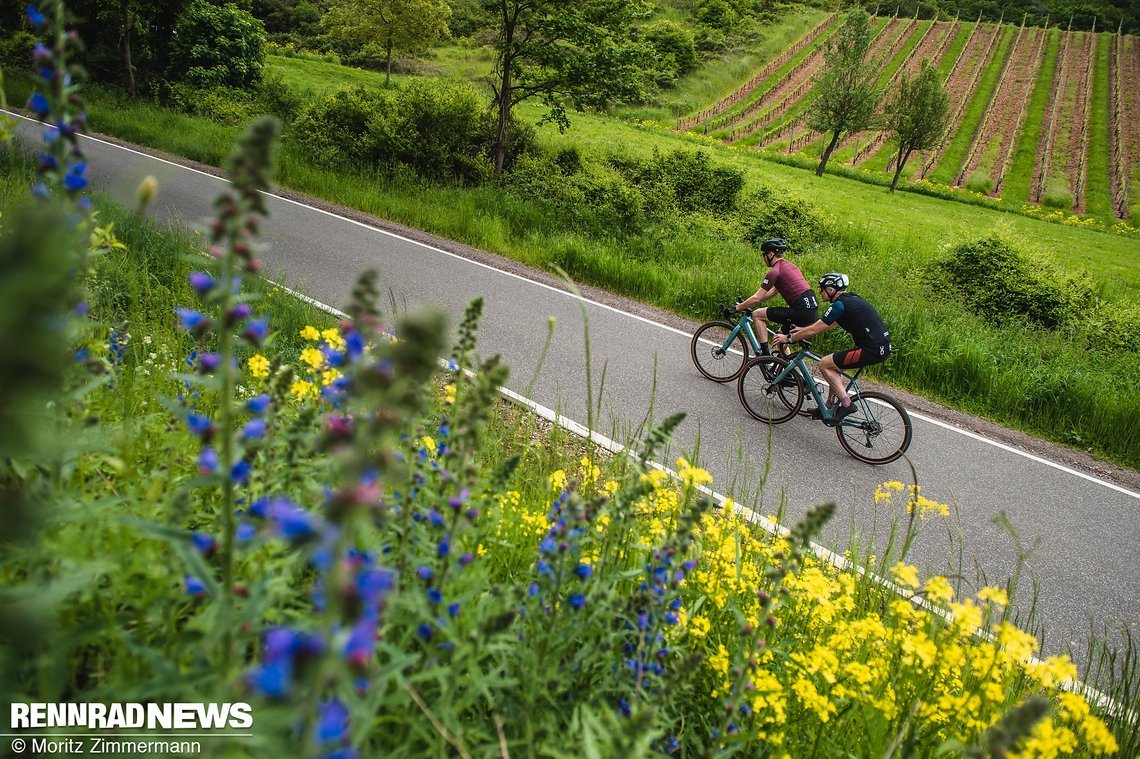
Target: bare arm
[{"x": 759, "y": 296}]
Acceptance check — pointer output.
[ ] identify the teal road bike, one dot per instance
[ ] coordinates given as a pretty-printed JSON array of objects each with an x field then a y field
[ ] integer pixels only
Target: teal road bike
[
  {"x": 774, "y": 389},
  {"x": 722, "y": 348}
]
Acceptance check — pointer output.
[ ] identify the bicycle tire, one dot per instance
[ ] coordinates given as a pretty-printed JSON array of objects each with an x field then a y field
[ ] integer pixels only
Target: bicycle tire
[
  {"x": 705, "y": 358},
  {"x": 774, "y": 404},
  {"x": 859, "y": 431}
]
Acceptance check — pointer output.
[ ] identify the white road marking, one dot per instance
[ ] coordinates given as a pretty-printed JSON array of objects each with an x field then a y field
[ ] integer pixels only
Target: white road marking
[{"x": 923, "y": 417}]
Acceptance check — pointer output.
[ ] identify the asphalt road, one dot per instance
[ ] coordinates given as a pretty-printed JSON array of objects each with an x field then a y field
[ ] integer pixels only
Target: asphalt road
[{"x": 1089, "y": 529}]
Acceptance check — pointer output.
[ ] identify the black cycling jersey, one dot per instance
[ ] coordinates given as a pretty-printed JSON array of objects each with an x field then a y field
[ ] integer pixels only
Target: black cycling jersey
[{"x": 860, "y": 318}]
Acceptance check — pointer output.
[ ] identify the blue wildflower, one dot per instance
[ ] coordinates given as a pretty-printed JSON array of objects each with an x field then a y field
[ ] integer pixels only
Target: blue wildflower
[
  {"x": 548, "y": 545},
  {"x": 256, "y": 331},
  {"x": 208, "y": 461},
  {"x": 583, "y": 571},
  {"x": 444, "y": 547},
  {"x": 258, "y": 404},
  {"x": 435, "y": 519},
  {"x": 532, "y": 590},
  {"x": 453, "y": 610},
  {"x": 192, "y": 321},
  {"x": 434, "y": 596},
  {"x": 201, "y": 282},
  {"x": 254, "y": 429},
  {"x": 245, "y": 532},
  {"x": 75, "y": 179},
  {"x": 39, "y": 104},
  {"x": 577, "y": 600},
  {"x": 240, "y": 472},
  {"x": 425, "y": 573},
  {"x": 332, "y": 722},
  {"x": 424, "y": 631},
  {"x": 207, "y": 545},
  {"x": 194, "y": 586},
  {"x": 199, "y": 425},
  {"x": 35, "y": 18}
]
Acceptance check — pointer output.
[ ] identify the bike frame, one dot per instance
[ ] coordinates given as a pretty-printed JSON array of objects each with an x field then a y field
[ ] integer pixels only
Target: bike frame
[{"x": 797, "y": 363}]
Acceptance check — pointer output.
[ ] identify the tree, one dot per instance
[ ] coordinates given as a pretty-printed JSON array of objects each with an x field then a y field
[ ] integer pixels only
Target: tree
[
  {"x": 917, "y": 113},
  {"x": 217, "y": 46},
  {"x": 397, "y": 26},
  {"x": 845, "y": 96},
  {"x": 583, "y": 53}
]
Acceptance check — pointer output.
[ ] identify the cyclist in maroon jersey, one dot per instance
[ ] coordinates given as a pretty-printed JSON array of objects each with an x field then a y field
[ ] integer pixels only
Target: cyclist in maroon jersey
[{"x": 785, "y": 279}]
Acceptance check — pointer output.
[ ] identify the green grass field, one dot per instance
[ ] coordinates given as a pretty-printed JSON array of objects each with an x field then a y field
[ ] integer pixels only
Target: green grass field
[{"x": 1098, "y": 191}]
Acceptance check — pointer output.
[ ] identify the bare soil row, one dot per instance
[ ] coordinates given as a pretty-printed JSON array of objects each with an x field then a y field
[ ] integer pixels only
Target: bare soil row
[
  {"x": 1045, "y": 145},
  {"x": 741, "y": 93},
  {"x": 960, "y": 86},
  {"x": 1079, "y": 131},
  {"x": 1001, "y": 123},
  {"x": 933, "y": 49},
  {"x": 1117, "y": 134}
]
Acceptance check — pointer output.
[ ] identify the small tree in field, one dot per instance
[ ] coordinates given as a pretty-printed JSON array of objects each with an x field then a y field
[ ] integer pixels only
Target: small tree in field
[
  {"x": 845, "y": 96},
  {"x": 397, "y": 26},
  {"x": 582, "y": 52},
  {"x": 916, "y": 112}
]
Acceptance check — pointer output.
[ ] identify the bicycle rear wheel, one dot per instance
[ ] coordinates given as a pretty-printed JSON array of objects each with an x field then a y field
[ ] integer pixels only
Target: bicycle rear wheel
[
  {"x": 713, "y": 362},
  {"x": 771, "y": 403},
  {"x": 878, "y": 431}
]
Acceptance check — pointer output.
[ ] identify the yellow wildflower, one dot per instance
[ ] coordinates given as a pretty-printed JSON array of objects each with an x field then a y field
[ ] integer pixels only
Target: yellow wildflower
[
  {"x": 429, "y": 445},
  {"x": 333, "y": 338},
  {"x": 313, "y": 357},
  {"x": 558, "y": 481},
  {"x": 699, "y": 626},
  {"x": 691, "y": 475},
  {"x": 813, "y": 700},
  {"x": 302, "y": 389},
  {"x": 610, "y": 487},
  {"x": 449, "y": 394},
  {"x": 994, "y": 595},
  {"x": 966, "y": 616},
  {"x": 258, "y": 366},
  {"x": 330, "y": 376},
  {"x": 905, "y": 574},
  {"x": 938, "y": 589},
  {"x": 310, "y": 333}
]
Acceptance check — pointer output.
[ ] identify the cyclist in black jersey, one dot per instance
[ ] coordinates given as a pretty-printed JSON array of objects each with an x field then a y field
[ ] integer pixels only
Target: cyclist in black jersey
[{"x": 862, "y": 321}]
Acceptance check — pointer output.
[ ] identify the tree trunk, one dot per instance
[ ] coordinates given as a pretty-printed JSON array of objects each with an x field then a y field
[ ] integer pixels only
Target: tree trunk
[
  {"x": 127, "y": 50},
  {"x": 505, "y": 85},
  {"x": 827, "y": 154},
  {"x": 902, "y": 159},
  {"x": 388, "y": 61}
]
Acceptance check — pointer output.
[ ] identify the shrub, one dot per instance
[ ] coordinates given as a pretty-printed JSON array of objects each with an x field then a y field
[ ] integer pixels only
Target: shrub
[
  {"x": 276, "y": 97},
  {"x": 16, "y": 51},
  {"x": 225, "y": 105},
  {"x": 441, "y": 130},
  {"x": 689, "y": 176},
  {"x": 580, "y": 195},
  {"x": 980, "y": 182},
  {"x": 1002, "y": 283},
  {"x": 768, "y": 212},
  {"x": 675, "y": 50},
  {"x": 1112, "y": 331},
  {"x": 215, "y": 46}
]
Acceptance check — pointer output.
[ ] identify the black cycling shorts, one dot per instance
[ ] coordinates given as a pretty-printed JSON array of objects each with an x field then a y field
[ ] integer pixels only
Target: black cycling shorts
[
  {"x": 859, "y": 357},
  {"x": 789, "y": 317}
]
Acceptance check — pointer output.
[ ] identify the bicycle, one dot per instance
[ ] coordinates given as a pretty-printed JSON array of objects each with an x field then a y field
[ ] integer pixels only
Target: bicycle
[
  {"x": 879, "y": 424},
  {"x": 715, "y": 357}
]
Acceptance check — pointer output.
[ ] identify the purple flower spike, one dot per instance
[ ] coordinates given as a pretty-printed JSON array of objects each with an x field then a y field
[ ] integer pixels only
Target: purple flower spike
[
  {"x": 272, "y": 679},
  {"x": 240, "y": 311},
  {"x": 361, "y": 642},
  {"x": 194, "y": 586},
  {"x": 201, "y": 282},
  {"x": 467, "y": 558},
  {"x": 40, "y": 53},
  {"x": 75, "y": 179},
  {"x": 82, "y": 309},
  {"x": 425, "y": 573}
]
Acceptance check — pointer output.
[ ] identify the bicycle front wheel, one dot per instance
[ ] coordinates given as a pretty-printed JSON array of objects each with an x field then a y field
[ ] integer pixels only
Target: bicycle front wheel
[
  {"x": 878, "y": 431},
  {"x": 713, "y": 361},
  {"x": 770, "y": 402}
]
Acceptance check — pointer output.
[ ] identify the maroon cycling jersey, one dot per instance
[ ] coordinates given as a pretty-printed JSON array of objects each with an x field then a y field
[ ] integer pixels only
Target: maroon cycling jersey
[{"x": 785, "y": 276}]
